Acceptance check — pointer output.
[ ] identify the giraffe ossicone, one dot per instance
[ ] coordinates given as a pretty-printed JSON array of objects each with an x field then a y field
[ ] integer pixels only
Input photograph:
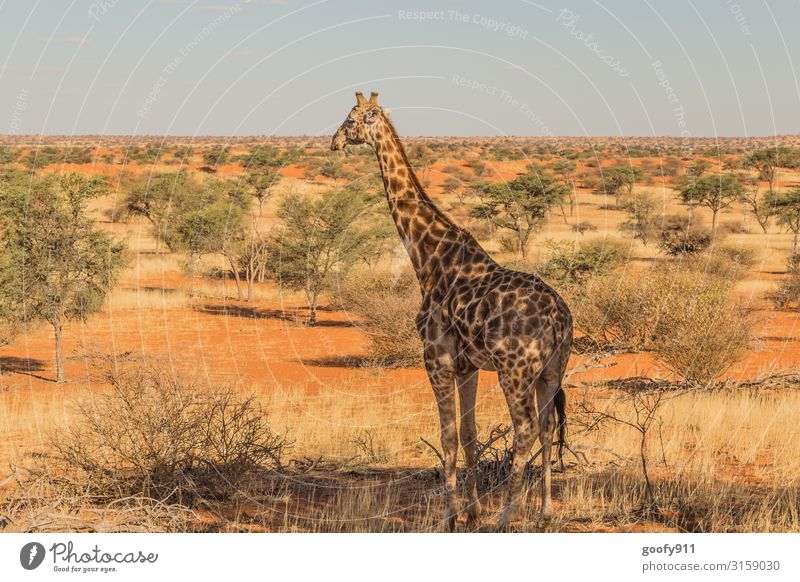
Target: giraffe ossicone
[{"x": 475, "y": 315}]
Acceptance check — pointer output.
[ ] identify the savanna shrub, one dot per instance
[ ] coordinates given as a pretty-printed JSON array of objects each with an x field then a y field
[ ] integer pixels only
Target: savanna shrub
[
  {"x": 584, "y": 226},
  {"x": 735, "y": 227},
  {"x": 727, "y": 261},
  {"x": 703, "y": 330},
  {"x": 387, "y": 305},
  {"x": 157, "y": 437},
  {"x": 509, "y": 244},
  {"x": 679, "y": 236},
  {"x": 789, "y": 290},
  {"x": 689, "y": 319}
]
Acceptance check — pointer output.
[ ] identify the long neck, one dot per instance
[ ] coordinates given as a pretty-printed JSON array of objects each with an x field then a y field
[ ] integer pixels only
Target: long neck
[{"x": 434, "y": 243}]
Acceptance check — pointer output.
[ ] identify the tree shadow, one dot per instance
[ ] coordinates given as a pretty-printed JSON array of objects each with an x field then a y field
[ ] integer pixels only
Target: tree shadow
[
  {"x": 27, "y": 366},
  {"x": 295, "y": 315},
  {"x": 341, "y": 362}
]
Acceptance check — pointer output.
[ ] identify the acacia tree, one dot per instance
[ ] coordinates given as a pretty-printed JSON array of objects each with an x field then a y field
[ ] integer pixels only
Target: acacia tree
[
  {"x": 715, "y": 191},
  {"x": 196, "y": 216},
  {"x": 643, "y": 216},
  {"x": 321, "y": 237},
  {"x": 566, "y": 170},
  {"x": 260, "y": 181},
  {"x": 55, "y": 266},
  {"x": 755, "y": 200},
  {"x": 217, "y": 228},
  {"x": 785, "y": 207},
  {"x": 767, "y": 161},
  {"x": 520, "y": 205},
  {"x": 617, "y": 178}
]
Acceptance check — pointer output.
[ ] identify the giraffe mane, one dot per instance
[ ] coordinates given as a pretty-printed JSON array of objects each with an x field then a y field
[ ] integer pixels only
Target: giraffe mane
[{"x": 417, "y": 184}]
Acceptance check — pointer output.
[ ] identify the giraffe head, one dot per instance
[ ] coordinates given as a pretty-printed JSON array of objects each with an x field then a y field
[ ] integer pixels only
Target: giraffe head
[{"x": 361, "y": 124}]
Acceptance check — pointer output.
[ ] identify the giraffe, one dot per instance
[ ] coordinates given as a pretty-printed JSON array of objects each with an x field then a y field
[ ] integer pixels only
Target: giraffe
[{"x": 475, "y": 315}]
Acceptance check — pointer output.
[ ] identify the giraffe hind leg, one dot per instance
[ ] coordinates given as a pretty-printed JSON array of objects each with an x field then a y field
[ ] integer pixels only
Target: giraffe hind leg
[
  {"x": 517, "y": 386},
  {"x": 548, "y": 387}
]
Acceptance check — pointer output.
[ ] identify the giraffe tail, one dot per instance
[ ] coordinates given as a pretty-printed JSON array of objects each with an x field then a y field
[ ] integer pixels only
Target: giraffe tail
[{"x": 560, "y": 405}]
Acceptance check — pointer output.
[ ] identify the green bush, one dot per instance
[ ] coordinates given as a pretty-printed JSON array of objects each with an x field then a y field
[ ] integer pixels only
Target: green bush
[{"x": 570, "y": 263}]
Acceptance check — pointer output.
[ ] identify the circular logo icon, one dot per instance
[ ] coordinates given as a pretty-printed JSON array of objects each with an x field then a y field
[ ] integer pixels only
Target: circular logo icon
[{"x": 31, "y": 555}]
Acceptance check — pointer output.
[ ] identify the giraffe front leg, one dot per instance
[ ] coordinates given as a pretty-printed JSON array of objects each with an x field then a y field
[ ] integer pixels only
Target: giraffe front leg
[
  {"x": 440, "y": 373},
  {"x": 445, "y": 399},
  {"x": 467, "y": 388}
]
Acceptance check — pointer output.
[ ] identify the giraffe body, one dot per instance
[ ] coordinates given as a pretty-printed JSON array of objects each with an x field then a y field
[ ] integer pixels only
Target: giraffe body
[{"x": 475, "y": 315}]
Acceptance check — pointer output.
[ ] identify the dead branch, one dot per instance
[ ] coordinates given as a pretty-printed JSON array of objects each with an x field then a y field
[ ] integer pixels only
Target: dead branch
[
  {"x": 592, "y": 363},
  {"x": 435, "y": 450}
]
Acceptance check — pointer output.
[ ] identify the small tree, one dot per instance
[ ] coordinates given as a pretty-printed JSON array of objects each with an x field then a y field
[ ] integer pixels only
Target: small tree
[
  {"x": 698, "y": 169},
  {"x": 216, "y": 228},
  {"x": 55, "y": 265},
  {"x": 756, "y": 202},
  {"x": 785, "y": 206},
  {"x": 520, "y": 206},
  {"x": 198, "y": 217},
  {"x": 617, "y": 179},
  {"x": 566, "y": 171},
  {"x": 319, "y": 238},
  {"x": 767, "y": 161},
  {"x": 260, "y": 181},
  {"x": 715, "y": 191},
  {"x": 643, "y": 216}
]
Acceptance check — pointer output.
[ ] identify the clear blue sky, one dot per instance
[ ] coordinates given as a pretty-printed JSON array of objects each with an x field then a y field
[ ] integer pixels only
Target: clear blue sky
[{"x": 573, "y": 67}]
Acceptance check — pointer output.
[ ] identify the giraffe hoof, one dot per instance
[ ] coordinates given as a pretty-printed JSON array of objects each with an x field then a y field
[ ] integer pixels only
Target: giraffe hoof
[
  {"x": 474, "y": 517},
  {"x": 506, "y": 518},
  {"x": 450, "y": 523},
  {"x": 473, "y": 522}
]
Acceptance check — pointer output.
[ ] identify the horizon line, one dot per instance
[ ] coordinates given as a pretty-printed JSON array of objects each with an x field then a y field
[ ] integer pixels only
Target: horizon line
[{"x": 7, "y": 136}]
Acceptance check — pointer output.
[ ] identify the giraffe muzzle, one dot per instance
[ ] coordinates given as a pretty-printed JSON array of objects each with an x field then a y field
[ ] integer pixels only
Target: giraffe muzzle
[{"x": 339, "y": 141}]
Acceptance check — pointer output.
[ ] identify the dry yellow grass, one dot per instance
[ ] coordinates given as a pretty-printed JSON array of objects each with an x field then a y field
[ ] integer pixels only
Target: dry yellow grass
[
  {"x": 143, "y": 298},
  {"x": 729, "y": 460}
]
